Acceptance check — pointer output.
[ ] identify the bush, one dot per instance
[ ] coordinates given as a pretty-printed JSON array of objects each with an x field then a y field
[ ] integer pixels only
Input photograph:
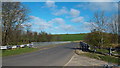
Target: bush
[{"x": 101, "y": 39}]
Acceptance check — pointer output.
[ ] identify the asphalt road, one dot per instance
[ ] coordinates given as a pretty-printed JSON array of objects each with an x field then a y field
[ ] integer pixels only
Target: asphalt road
[{"x": 55, "y": 56}]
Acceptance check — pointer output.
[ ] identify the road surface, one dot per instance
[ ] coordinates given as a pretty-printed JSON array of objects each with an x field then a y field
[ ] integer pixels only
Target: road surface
[{"x": 55, "y": 56}]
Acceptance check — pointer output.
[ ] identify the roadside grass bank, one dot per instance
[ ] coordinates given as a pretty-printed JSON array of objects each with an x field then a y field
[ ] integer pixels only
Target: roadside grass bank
[
  {"x": 18, "y": 51},
  {"x": 104, "y": 51},
  {"x": 107, "y": 51},
  {"x": 107, "y": 58}
]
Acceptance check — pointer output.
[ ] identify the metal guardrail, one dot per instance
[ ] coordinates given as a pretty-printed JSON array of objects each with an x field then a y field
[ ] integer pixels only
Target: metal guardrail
[
  {"x": 15, "y": 46},
  {"x": 33, "y": 44},
  {"x": 86, "y": 47}
]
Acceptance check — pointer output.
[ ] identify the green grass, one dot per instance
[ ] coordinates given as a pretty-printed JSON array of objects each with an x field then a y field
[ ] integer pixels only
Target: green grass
[
  {"x": 24, "y": 50},
  {"x": 115, "y": 52},
  {"x": 102, "y": 57},
  {"x": 71, "y": 37},
  {"x": 102, "y": 50},
  {"x": 105, "y": 51},
  {"x": 110, "y": 59},
  {"x": 17, "y": 51}
]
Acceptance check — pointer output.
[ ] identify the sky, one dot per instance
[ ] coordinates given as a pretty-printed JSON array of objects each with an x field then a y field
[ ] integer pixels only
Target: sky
[{"x": 65, "y": 17}]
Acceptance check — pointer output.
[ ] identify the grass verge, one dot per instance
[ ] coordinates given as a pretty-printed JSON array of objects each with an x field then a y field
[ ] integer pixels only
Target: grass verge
[
  {"x": 18, "y": 51},
  {"x": 102, "y": 50},
  {"x": 25, "y": 50},
  {"x": 106, "y": 58}
]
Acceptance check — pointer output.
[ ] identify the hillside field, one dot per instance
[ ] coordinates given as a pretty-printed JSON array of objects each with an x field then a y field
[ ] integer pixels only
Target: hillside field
[{"x": 70, "y": 37}]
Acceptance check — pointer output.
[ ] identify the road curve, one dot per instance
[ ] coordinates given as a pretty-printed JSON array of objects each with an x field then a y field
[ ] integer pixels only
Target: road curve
[{"x": 55, "y": 56}]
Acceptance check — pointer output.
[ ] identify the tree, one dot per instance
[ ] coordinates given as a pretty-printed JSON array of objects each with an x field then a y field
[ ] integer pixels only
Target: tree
[
  {"x": 94, "y": 39},
  {"x": 99, "y": 21},
  {"x": 104, "y": 31},
  {"x": 28, "y": 33},
  {"x": 100, "y": 33},
  {"x": 99, "y": 24},
  {"x": 113, "y": 28},
  {"x": 113, "y": 25},
  {"x": 43, "y": 36},
  {"x": 13, "y": 15}
]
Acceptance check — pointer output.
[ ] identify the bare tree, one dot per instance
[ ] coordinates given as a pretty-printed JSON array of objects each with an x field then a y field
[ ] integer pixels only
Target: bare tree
[
  {"x": 106, "y": 27},
  {"x": 0, "y": 23},
  {"x": 99, "y": 23},
  {"x": 13, "y": 15},
  {"x": 113, "y": 28},
  {"x": 113, "y": 24}
]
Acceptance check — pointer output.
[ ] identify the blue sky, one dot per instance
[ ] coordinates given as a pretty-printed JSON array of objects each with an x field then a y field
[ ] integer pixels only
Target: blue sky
[{"x": 65, "y": 17}]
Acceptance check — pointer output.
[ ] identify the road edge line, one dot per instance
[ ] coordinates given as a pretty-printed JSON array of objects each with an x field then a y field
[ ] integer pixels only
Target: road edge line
[{"x": 69, "y": 60}]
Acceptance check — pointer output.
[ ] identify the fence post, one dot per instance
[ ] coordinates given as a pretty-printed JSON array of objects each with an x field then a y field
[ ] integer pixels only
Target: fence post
[
  {"x": 94, "y": 49},
  {"x": 110, "y": 51}
]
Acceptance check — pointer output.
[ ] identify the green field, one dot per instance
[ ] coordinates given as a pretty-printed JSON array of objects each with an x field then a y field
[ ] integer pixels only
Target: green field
[
  {"x": 18, "y": 51},
  {"x": 70, "y": 37}
]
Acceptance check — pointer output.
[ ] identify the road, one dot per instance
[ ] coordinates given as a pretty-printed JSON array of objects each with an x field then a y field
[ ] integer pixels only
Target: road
[{"x": 55, "y": 56}]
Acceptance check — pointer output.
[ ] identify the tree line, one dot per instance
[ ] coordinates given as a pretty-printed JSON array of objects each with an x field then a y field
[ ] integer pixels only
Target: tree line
[{"x": 14, "y": 29}]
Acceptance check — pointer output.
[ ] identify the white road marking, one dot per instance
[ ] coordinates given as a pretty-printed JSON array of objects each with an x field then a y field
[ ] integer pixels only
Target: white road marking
[{"x": 69, "y": 60}]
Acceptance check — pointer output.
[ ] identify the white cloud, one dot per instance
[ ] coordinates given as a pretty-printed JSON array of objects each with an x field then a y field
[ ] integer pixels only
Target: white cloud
[
  {"x": 74, "y": 12},
  {"x": 61, "y": 11},
  {"x": 77, "y": 19},
  {"x": 70, "y": 13},
  {"x": 42, "y": 24},
  {"x": 65, "y": 28},
  {"x": 84, "y": 27},
  {"x": 88, "y": 25},
  {"x": 104, "y": 6},
  {"x": 33, "y": 17},
  {"x": 61, "y": 27},
  {"x": 57, "y": 20},
  {"x": 50, "y": 4}
]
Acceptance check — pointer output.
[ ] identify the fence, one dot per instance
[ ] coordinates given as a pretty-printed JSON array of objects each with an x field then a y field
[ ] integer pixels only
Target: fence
[
  {"x": 33, "y": 44},
  {"x": 15, "y": 46},
  {"x": 105, "y": 51}
]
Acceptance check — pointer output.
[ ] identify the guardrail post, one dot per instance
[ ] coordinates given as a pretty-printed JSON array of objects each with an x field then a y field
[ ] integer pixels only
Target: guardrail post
[
  {"x": 110, "y": 51},
  {"x": 95, "y": 49}
]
